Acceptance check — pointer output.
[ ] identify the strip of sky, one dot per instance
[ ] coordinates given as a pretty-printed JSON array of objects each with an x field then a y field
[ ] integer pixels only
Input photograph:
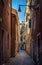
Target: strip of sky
[{"x": 15, "y": 4}]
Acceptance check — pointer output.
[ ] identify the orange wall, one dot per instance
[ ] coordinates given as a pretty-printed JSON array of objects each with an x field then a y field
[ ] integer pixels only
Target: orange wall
[
  {"x": 5, "y": 28},
  {"x": 14, "y": 33}
]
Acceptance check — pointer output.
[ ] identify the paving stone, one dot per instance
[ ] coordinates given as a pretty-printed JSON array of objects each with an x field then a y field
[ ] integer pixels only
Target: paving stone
[{"x": 22, "y": 58}]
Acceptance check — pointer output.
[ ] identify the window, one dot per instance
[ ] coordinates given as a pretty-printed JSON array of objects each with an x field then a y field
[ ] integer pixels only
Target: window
[
  {"x": 30, "y": 23},
  {"x": 8, "y": 41},
  {"x": 26, "y": 17},
  {"x": 0, "y": 19}
]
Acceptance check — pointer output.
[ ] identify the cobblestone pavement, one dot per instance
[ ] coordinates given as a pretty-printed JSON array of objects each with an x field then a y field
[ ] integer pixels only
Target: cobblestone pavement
[{"x": 21, "y": 59}]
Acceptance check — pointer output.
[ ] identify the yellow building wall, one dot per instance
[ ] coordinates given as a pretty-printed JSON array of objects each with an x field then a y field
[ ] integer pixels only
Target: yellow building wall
[
  {"x": 28, "y": 33},
  {"x": 17, "y": 35}
]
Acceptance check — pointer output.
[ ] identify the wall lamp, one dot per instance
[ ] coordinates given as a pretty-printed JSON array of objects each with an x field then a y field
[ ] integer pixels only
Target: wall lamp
[
  {"x": 19, "y": 9},
  {"x": 35, "y": 7}
]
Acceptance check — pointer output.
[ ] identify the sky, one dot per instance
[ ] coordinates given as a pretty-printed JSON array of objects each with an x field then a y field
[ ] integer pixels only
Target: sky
[{"x": 15, "y": 5}]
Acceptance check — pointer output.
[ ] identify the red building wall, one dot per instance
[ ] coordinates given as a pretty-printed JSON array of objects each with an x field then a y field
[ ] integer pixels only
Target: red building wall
[
  {"x": 37, "y": 35},
  {"x": 13, "y": 35},
  {"x": 5, "y": 30},
  {"x": 13, "y": 32},
  {"x": 1, "y": 56},
  {"x": 41, "y": 31}
]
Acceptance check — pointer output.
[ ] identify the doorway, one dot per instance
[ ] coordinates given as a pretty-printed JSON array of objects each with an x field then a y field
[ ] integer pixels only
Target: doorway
[
  {"x": 1, "y": 46},
  {"x": 38, "y": 55}
]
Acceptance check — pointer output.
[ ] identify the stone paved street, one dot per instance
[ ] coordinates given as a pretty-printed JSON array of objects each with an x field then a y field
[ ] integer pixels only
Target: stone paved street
[{"x": 21, "y": 59}]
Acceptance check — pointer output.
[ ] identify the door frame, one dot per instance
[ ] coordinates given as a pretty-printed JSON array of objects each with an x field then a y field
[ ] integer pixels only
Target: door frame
[{"x": 38, "y": 43}]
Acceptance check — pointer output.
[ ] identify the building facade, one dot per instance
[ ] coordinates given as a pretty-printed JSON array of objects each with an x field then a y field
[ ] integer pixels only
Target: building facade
[
  {"x": 28, "y": 26},
  {"x": 14, "y": 33},
  {"x": 5, "y": 30},
  {"x": 35, "y": 32},
  {"x": 36, "y": 19}
]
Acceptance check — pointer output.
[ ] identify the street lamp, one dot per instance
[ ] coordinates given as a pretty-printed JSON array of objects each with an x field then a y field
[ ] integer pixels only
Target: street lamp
[
  {"x": 19, "y": 9},
  {"x": 30, "y": 6}
]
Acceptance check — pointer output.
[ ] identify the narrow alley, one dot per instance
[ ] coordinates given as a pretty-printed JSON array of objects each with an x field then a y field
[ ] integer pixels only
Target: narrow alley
[
  {"x": 21, "y": 59},
  {"x": 20, "y": 32}
]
